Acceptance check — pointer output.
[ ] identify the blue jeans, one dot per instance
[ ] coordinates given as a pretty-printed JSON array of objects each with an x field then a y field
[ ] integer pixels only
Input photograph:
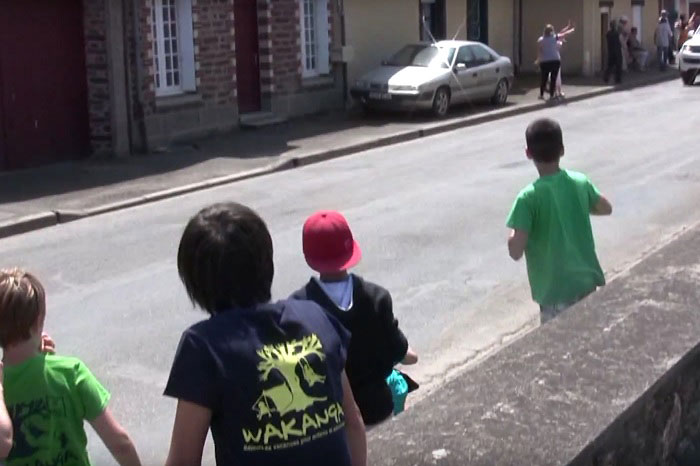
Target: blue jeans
[{"x": 662, "y": 57}]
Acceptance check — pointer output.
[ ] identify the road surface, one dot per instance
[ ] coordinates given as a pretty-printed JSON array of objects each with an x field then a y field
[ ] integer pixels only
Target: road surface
[{"x": 429, "y": 215}]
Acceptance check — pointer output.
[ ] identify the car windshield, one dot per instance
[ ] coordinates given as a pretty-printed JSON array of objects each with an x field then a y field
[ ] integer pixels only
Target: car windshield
[{"x": 427, "y": 56}]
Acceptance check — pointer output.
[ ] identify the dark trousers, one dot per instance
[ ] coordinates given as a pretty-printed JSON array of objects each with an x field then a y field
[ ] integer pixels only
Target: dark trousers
[
  {"x": 549, "y": 71},
  {"x": 614, "y": 65}
]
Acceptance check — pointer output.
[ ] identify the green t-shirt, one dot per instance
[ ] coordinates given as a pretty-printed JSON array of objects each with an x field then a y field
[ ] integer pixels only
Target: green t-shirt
[
  {"x": 48, "y": 397},
  {"x": 561, "y": 261}
]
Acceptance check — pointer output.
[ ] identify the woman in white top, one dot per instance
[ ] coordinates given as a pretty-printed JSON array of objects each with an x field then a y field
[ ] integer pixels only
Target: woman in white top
[{"x": 548, "y": 57}]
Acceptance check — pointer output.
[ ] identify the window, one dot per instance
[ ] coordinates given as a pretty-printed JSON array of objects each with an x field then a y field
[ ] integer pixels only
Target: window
[
  {"x": 637, "y": 19},
  {"x": 314, "y": 37},
  {"x": 427, "y": 56},
  {"x": 173, "y": 47},
  {"x": 465, "y": 57},
  {"x": 481, "y": 55}
]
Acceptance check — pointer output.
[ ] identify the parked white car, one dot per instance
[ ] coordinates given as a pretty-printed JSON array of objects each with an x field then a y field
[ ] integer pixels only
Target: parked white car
[
  {"x": 689, "y": 59},
  {"x": 434, "y": 76}
]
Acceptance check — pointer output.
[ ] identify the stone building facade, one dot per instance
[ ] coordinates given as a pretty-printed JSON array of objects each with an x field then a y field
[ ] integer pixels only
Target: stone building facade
[{"x": 140, "y": 74}]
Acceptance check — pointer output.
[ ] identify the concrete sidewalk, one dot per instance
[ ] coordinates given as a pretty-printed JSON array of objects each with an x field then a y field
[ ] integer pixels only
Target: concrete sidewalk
[{"x": 42, "y": 197}]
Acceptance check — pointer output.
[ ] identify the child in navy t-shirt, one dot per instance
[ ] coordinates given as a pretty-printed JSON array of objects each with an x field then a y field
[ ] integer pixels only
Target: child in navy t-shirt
[{"x": 268, "y": 379}]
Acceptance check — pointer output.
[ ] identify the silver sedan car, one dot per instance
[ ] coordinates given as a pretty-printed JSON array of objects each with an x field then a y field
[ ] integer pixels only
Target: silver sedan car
[{"x": 434, "y": 76}]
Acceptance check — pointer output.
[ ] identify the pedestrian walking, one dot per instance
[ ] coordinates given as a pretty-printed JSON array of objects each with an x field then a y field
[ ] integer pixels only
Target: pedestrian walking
[
  {"x": 612, "y": 39},
  {"x": 550, "y": 224},
  {"x": 49, "y": 396},
  {"x": 267, "y": 378},
  {"x": 549, "y": 58},
  {"x": 365, "y": 310},
  {"x": 662, "y": 40}
]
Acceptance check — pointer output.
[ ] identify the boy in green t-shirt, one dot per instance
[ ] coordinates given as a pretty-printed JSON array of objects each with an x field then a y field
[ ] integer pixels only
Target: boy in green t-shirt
[
  {"x": 49, "y": 396},
  {"x": 550, "y": 223}
]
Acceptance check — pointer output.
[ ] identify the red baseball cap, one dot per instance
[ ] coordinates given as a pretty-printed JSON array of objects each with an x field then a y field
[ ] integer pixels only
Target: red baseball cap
[{"x": 328, "y": 243}]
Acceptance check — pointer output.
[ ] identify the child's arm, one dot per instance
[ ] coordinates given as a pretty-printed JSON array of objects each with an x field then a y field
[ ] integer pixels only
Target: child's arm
[
  {"x": 410, "y": 358},
  {"x": 355, "y": 427},
  {"x": 116, "y": 439},
  {"x": 5, "y": 422},
  {"x": 602, "y": 207},
  {"x": 517, "y": 242},
  {"x": 189, "y": 434}
]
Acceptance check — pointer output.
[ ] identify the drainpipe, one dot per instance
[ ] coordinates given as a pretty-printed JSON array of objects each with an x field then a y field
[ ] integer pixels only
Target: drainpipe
[
  {"x": 127, "y": 77},
  {"x": 341, "y": 8},
  {"x": 138, "y": 104},
  {"x": 520, "y": 33}
]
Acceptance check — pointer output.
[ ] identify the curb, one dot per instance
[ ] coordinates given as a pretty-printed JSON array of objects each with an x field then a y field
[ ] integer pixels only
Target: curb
[
  {"x": 28, "y": 223},
  {"x": 47, "y": 219}
]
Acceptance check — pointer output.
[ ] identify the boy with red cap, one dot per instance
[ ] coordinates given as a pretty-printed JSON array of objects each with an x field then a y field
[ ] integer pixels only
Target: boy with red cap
[{"x": 364, "y": 308}]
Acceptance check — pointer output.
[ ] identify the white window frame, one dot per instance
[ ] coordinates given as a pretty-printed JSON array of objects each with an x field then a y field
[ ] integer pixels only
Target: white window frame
[
  {"x": 185, "y": 49},
  {"x": 638, "y": 20},
  {"x": 322, "y": 39}
]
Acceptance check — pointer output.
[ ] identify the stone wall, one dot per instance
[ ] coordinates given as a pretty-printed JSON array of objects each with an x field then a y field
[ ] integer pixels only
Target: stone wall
[
  {"x": 661, "y": 428},
  {"x": 614, "y": 380}
]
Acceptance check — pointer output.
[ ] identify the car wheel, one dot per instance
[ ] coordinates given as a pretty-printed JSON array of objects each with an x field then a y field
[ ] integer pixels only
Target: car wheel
[
  {"x": 441, "y": 102},
  {"x": 688, "y": 78},
  {"x": 500, "y": 97}
]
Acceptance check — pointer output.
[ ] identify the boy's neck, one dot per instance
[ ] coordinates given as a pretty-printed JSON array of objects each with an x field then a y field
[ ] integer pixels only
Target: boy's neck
[
  {"x": 333, "y": 277},
  {"x": 17, "y": 354},
  {"x": 546, "y": 169}
]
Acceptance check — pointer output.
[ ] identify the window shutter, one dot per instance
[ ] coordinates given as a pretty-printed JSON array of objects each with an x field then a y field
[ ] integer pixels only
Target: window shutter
[
  {"x": 322, "y": 22},
  {"x": 189, "y": 82}
]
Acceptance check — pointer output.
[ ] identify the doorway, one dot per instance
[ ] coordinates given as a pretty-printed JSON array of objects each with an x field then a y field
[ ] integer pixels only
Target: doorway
[
  {"x": 43, "y": 83},
  {"x": 478, "y": 20},
  {"x": 247, "y": 55},
  {"x": 433, "y": 25}
]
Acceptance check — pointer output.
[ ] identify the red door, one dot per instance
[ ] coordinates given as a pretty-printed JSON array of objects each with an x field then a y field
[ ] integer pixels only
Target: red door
[
  {"x": 43, "y": 86},
  {"x": 247, "y": 60}
]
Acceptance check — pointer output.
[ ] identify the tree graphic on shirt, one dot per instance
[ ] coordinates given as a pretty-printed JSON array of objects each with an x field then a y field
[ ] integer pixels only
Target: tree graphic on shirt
[{"x": 285, "y": 358}]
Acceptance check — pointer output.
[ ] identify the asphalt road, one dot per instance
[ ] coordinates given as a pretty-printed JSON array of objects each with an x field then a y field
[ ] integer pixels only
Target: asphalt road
[{"x": 429, "y": 215}]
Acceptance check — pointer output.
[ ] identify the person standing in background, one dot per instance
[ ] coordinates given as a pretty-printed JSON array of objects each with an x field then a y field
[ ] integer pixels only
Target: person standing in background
[
  {"x": 662, "y": 40},
  {"x": 612, "y": 39}
]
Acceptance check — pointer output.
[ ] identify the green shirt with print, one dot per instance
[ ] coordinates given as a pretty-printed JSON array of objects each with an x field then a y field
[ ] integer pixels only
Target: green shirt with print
[
  {"x": 48, "y": 398},
  {"x": 561, "y": 261}
]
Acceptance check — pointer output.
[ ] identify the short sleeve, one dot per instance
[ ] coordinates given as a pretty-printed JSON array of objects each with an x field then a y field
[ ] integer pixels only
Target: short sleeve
[
  {"x": 91, "y": 394},
  {"x": 593, "y": 194},
  {"x": 520, "y": 216},
  {"x": 193, "y": 374}
]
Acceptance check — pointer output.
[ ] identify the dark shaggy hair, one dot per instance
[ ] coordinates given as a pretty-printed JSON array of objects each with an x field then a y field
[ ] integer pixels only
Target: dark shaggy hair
[
  {"x": 225, "y": 258},
  {"x": 544, "y": 140}
]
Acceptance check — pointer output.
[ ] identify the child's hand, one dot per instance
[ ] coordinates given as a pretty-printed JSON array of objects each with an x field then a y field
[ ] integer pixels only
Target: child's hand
[{"x": 47, "y": 344}]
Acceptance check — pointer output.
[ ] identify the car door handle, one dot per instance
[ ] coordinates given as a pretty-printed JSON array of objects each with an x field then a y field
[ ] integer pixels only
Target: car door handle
[{"x": 474, "y": 75}]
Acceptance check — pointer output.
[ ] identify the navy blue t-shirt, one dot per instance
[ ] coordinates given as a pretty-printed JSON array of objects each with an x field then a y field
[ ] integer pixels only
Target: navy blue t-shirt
[{"x": 271, "y": 376}]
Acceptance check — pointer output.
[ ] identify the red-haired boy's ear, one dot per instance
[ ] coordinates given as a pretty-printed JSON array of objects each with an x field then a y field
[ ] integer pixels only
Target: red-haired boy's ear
[{"x": 528, "y": 153}]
